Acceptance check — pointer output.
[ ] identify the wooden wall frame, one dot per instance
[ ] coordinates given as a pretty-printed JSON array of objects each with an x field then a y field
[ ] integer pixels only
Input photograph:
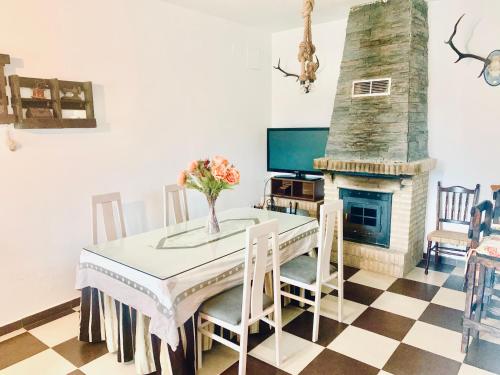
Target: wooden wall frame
[
  {"x": 56, "y": 103},
  {"x": 5, "y": 117}
]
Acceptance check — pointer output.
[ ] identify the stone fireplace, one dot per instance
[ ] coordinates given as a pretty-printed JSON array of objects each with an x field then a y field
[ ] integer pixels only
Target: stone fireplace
[{"x": 376, "y": 158}]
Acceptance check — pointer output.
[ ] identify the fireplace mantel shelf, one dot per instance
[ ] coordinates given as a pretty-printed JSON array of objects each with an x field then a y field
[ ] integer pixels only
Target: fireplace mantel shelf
[{"x": 376, "y": 168}]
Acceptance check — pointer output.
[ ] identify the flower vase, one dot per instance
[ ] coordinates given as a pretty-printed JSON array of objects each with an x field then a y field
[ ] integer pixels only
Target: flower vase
[{"x": 212, "y": 223}]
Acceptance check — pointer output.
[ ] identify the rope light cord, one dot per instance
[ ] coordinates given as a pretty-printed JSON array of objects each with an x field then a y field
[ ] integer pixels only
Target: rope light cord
[
  {"x": 306, "y": 48},
  {"x": 306, "y": 53}
]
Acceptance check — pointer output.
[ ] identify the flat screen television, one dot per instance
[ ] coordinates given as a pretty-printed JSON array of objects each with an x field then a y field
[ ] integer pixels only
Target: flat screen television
[{"x": 293, "y": 150}]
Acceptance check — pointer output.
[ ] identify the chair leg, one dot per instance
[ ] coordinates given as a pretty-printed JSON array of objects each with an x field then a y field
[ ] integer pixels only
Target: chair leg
[
  {"x": 317, "y": 307},
  {"x": 471, "y": 274},
  {"x": 199, "y": 340},
  {"x": 489, "y": 286},
  {"x": 436, "y": 254},
  {"x": 340, "y": 299},
  {"x": 277, "y": 337},
  {"x": 428, "y": 259},
  {"x": 478, "y": 313},
  {"x": 302, "y": 294},
  {"x": 242, "y": 367}
]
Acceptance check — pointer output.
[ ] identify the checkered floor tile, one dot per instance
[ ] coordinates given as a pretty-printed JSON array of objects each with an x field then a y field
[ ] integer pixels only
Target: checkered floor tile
[{"x": 404, "y": 326}]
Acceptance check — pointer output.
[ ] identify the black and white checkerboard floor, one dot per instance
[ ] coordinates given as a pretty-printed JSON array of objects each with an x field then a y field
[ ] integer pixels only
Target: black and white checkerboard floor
[{"x": 391, "y": 326}]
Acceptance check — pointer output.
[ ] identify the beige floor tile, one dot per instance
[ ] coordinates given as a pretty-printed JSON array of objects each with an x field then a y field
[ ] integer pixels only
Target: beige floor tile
[
  {"x": 487, "y": 336},
  {"x": 107, "y": 364},
  {"x": 12, "y": 334},
  {"x": 47, "y": 362},
  {"x": 296, "y": 353},
  {"x": 470, "y": 370},
  {"x": 450, "y": 298},
  {"x": 458, "y": 271},
  {"x": 365, "y": 346},
  {"x": 382, "y": 372},
  {"x": 218, "y": 359},
  {"x": 326, "y": 289},
  {"x": 350, "y": 309},
  {"x": 372, "y": 279},
  {"x": 57, "y": 331},
  {"x": 401, "y": 305},
  {"x": 435, "y": 339},
  {"x": 289, "y": 313},
  {"x": 433, "y": 277}
]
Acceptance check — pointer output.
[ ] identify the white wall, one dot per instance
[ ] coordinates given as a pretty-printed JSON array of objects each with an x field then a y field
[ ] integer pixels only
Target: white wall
[
  {"x": 290, "y": 105},
  {"x": 170, "y": 85},
  {"x": 464, "y": 111}
]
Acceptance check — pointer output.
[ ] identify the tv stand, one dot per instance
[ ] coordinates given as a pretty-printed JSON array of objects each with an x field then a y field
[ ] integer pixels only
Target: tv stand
[
  {"x": 297, "y": 188},
  {"x": 298, "y": 177}
]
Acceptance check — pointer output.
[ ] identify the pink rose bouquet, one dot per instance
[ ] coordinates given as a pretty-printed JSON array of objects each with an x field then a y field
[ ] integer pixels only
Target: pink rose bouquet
[{"x": 210, "y": 177}]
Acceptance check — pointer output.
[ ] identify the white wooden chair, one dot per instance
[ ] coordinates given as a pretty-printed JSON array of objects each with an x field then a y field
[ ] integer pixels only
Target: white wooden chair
[
  {"x": 179, "y": 204},
  {"x": 312, "y": 273},
  {"x": 144, "y": 363},
  {"x": 238, "y": 308},
  {"x": 106, "y": 201}
]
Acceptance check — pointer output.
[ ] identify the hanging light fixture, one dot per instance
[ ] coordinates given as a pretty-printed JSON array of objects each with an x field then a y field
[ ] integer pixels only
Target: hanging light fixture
[{"x": 306, "y": 55}]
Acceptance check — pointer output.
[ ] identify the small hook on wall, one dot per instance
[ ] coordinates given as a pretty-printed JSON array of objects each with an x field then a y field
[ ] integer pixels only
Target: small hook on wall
[{"x": 11, "y": 143}]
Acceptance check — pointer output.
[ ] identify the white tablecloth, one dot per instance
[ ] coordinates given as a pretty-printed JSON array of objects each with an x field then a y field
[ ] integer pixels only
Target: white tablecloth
[{"x": 170, "y": 302}]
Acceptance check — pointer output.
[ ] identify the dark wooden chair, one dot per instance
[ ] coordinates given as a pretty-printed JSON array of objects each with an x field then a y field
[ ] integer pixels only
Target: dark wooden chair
[
  {"x": 496, "y": 209},
  {"x": 480, "y": 226},
  {"x": 481, "y": 217},
  {"x": 480, "y": 276},
  {"x": 453, "y": 207}
]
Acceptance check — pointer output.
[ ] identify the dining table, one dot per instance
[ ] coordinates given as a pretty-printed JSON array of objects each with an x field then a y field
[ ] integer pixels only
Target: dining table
[{"x": 140, "y": 294}]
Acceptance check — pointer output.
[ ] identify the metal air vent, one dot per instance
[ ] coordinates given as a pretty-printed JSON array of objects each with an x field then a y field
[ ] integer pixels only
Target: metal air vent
[{"x": 371, "y": 87}]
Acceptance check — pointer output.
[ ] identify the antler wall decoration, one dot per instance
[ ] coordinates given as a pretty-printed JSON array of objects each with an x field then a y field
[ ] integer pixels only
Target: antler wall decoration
[
  {"x": 491, "y": 64},
  {"x": 306, "y": 53}
]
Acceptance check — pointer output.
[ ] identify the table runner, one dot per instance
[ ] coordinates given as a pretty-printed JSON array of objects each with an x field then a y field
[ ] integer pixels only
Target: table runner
[{"x": 163, "y": 306}]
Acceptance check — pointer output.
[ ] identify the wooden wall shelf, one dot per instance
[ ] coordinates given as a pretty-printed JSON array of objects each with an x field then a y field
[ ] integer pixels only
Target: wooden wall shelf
[
  {"x": 56, "y": 103},
  {"x": 5, "y": 117},
  {"x": 56, "y": 123}
]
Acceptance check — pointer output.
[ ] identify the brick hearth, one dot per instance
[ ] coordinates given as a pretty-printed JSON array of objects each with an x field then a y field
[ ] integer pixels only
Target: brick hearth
[{"x": 409, "y": 202}]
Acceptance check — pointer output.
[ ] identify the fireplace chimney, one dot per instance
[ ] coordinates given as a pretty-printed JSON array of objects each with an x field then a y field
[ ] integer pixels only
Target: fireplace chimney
[
  {"x": 380, "y": 109},
  {"x": 376, "y": 157}
]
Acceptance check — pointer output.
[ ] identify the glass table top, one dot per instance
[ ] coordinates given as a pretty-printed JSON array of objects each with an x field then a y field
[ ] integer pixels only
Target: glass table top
[
  {"x": 198, "y": 236},
  {"x": 167, "y": 252}
]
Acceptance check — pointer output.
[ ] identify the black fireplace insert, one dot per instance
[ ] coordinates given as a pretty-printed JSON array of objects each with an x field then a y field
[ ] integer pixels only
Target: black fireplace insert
[{"x": 367, "y": 216}]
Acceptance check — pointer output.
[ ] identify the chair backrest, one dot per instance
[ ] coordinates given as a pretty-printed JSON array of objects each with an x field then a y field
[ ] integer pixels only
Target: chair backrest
[
  {"x": 330, "y": 214},
  {"x": 258, "y": 239},
  {"x": 454, "y": 204},
  {"x": 480, "y": 224},
  {"x": 106, "y": 201},
  {"x": 177, "y": 195},
  {"x": 496, "y": 202}
]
